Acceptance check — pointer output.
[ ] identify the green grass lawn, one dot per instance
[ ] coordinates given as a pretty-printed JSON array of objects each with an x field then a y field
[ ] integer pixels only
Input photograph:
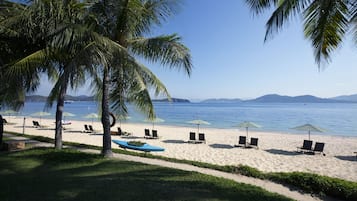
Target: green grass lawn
[{"x": 46, "y": 174}]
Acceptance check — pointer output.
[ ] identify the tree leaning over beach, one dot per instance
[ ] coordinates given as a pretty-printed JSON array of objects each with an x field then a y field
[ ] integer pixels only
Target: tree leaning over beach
[
  {"x": 127, "y": 23},
  {"x": 65, "y": 48},
  {"x": 326, "y": 22}
]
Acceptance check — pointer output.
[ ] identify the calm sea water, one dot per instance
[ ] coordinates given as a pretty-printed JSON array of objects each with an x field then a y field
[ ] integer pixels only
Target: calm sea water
[{"x": 336, "y": 118}]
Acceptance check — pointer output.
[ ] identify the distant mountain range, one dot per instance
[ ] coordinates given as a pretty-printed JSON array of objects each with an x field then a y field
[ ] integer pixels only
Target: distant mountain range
[
  {"x": 270, "y": 98},
  {"x": 38, "y": 98},
  {"x": 275, "y": 98}
]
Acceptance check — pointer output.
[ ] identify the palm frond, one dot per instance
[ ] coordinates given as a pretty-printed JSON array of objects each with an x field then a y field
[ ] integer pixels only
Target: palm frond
[
  {"x": 326, "y": 23},
  {"x": 168, "y": 50},
  {"x": 259, "y": 6}
]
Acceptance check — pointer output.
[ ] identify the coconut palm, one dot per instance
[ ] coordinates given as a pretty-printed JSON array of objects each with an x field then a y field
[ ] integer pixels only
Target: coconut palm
[
  {"x": 68, "y": 47},
  {"x": 326, "y": 22},
  {"x": 127, "y": 23}
]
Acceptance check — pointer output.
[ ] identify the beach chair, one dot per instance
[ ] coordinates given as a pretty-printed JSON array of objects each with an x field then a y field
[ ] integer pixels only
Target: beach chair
[
  {"x": 147, "y": 133},
  {"x": 34, "y": 124},
  {"x": 306, "y": 147},
  {"x": 119, "y": 131},
  {"x": 242, "y": 141},
  {"x": 4, "y": 121},
  {"x": 91, "y": 129},
  {"x": 253, "y": 142},
  {"x": 319, "y": 147},
  {"x": 201, "y": 138},
  {"x": 154, "y": 134},
  {"x": 192, "y": 137}
]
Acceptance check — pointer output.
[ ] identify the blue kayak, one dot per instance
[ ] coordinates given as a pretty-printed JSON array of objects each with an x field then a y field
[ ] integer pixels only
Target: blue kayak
[{"x": 145, "y": 147}]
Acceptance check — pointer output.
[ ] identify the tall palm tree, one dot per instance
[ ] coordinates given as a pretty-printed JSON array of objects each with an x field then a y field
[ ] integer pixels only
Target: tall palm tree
[
  {"x": 326, "y": 22},
  {"x": 66, "y": 49},
  {"x": 127, "y": 23}
]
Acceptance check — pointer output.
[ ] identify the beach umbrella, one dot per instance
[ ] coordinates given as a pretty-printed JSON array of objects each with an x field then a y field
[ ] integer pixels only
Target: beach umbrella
[
  {"x": 247, "y": 125},
  {"x": 8, "y": 112},
  {"x": 154, "y": 120},
  {"x": 67, "y": 114},
  {"x": 91, "y": 116},
  {"x": 198, "y": 122},
  {"x": 309, "y": 128},
  {"x": 122, "y": 118},
  {"x": 40, "y": 114}
]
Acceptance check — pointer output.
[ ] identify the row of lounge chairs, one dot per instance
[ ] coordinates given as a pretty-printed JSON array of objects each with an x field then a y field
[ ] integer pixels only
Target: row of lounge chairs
[
  {"x": 307, "y": 147},
  {"x": 201, "y": 138},
  {"x": 37, "y": 125},
  {"x": 242, "y": 142},
  {"x": 147, "y": 135},
  {"x": 88, "y": 129}
]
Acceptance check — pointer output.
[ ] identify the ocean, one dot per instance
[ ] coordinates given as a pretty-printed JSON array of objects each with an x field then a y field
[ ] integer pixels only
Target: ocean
[{"x": 335, "y": 118}]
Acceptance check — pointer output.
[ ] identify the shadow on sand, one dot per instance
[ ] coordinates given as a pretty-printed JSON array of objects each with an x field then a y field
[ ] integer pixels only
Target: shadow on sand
[
  {"x": 347, "y": 158},
  {"x": 282, "y": 152},
  {"x": 174, "y": 141},
  {"x": 221, "y": 146}
]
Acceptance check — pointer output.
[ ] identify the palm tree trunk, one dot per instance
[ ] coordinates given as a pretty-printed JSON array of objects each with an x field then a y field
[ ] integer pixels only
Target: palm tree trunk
[
  {"x": 107, "y": 142},
  {"x": 59, "y": 113},
  {"x": 1, "y": 130}
]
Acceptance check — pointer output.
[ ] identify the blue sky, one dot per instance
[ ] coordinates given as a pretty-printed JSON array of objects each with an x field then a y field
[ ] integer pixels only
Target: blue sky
[{"x": 231, "y": 60}]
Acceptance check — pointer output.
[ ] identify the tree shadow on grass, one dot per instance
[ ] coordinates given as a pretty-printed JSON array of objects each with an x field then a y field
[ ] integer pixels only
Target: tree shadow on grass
[{"x": 79, "y": 176}]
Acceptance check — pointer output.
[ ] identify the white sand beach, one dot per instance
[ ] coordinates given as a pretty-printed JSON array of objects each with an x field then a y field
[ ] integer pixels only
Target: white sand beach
[{"x": 276, "y": 153}]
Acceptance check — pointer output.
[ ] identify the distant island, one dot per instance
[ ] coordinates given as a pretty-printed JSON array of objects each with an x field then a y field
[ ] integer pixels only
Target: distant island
[
  {"x": 174, "y": 100},
  {"x": 270, "y": 98},
  {"x": 69, "y": 99},
  {"x": 275, "y": 98},
  {"x": 38, "y": 98}
]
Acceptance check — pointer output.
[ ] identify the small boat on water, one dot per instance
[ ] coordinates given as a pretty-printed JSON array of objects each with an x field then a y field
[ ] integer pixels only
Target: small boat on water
[{"x": 68, "y": 101}]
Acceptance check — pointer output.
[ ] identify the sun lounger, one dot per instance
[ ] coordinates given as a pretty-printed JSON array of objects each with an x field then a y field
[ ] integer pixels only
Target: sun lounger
[
  {"x": 154, "y": 134},
  {"x": 35, "y": 124},
  {"x": 201, "y": 138},
  {"x": 306, "y": 147},
  {"x": 87, "y": 128},
  {"x": 91, "y": 129},
  {"x": 147, "y": 134},
  {"x": 242, "y": 141},
  {"x": 192, "y": 138},
  {"x": 253, "y": 142},
  {"x": 119, "y": 131},
  {"x": 4, "y": 121},
  {"x": 319, "y": 147}
]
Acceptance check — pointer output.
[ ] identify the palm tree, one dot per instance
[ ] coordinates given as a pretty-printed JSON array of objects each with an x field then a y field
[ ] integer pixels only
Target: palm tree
[
  {"x": 67, "y": 48},
  {"x": 126, "y": 23},
  {"x": 326, "y": 22}
]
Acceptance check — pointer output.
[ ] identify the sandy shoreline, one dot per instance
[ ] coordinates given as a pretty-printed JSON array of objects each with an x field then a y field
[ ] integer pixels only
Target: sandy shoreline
[{"x": 276, "y": 153}]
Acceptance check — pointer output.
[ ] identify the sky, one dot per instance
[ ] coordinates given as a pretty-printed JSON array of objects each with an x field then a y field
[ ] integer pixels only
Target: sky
[{"x": 231, "y": 60}]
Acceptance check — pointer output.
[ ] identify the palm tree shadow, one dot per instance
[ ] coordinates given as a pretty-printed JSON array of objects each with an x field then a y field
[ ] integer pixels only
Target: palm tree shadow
[{"x": 282, "y": 152}]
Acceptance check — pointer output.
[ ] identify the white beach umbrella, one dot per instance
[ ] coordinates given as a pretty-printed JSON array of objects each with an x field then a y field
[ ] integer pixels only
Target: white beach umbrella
[
  {"x": 198, "y": 122},
  {"x": 40, "y": 114},
  {"x": 8, "y": 112},
  {"x": 247, "y": 125},
  {"x": 155, "y": 120},
  {"x": 309, "y": 128},
  {"x": 122, "y": 118},
  {"x": 91, "y": 116},
  {"x": 67, "y": 114}
]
